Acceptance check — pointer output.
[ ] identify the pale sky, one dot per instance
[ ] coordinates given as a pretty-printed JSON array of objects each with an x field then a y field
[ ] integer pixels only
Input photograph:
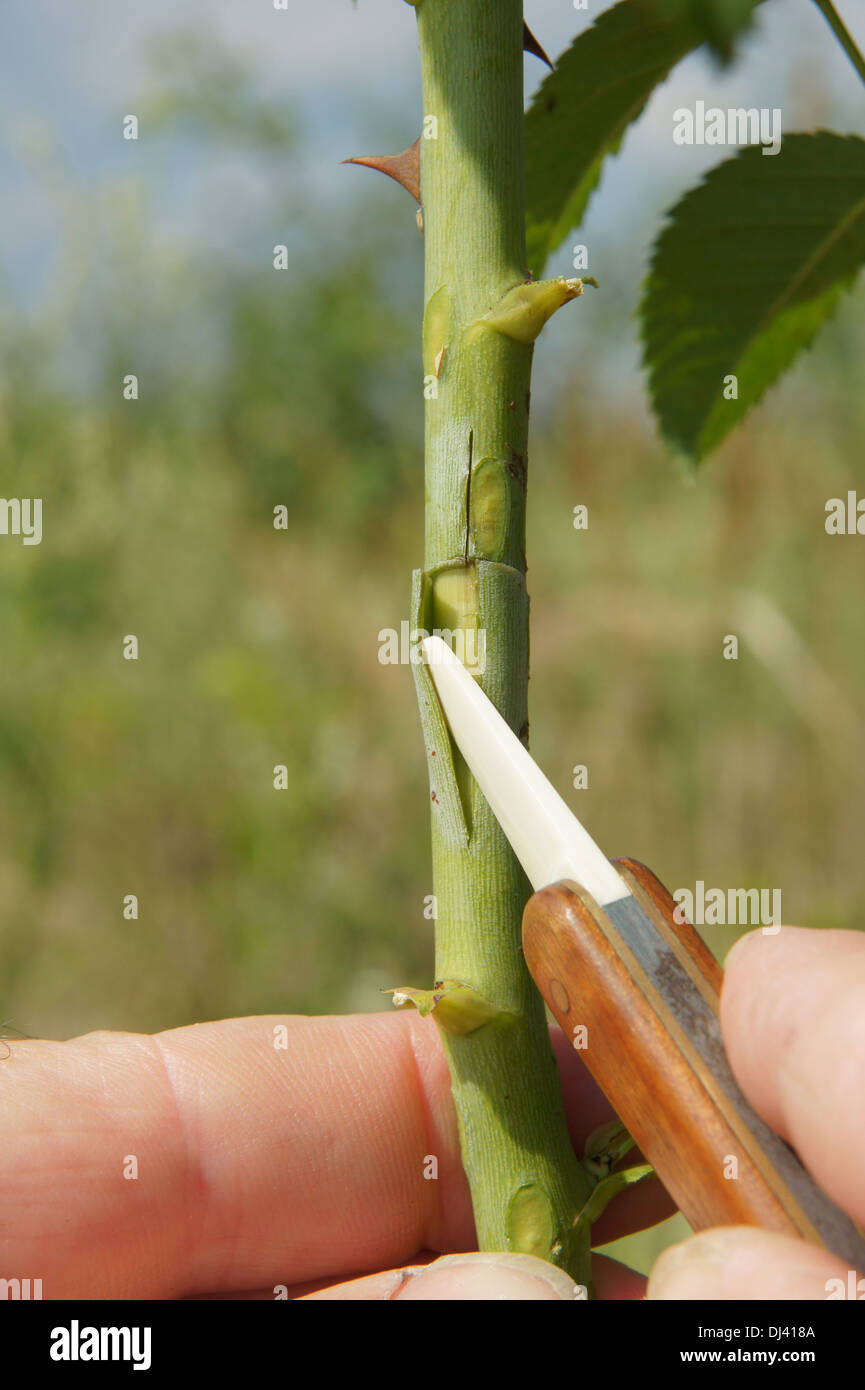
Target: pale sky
[{"x": 73, "y": 67}]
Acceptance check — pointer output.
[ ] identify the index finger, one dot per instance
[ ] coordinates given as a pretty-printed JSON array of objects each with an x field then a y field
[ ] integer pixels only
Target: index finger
[{"x": 206, "y": 1158}]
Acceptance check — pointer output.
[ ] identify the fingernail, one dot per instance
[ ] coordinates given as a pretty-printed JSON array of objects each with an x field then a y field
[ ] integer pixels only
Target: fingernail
[{"x": 489, "y": 1275}]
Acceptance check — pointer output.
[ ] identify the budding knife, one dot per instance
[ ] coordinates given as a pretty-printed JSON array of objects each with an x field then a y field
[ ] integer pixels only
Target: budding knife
[{"x": 637, "y": 991}]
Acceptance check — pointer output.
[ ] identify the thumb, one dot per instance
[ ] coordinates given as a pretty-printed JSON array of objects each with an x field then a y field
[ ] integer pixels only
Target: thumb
[
  {"x": 464, "y": 1278},
  {"x": 745, "y": 1262}
]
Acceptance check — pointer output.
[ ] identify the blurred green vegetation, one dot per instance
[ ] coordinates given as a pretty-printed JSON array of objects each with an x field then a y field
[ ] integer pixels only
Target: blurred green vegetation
[{"x": 260, "y": 647}]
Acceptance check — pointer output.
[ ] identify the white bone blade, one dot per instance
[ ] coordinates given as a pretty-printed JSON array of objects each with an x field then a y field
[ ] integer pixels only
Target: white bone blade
[{"x": 545, "y": 834}]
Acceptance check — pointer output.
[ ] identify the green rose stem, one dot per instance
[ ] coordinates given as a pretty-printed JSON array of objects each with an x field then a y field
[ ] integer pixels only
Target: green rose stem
[{"x": 480, "y": 322}]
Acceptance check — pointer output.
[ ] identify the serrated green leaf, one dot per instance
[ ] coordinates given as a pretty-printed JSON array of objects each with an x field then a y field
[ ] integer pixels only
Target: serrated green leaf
[
  {"x": 750, "y": 265},
  {"x": 716, "y": 23},
  {"x": 582, "y": 110}
]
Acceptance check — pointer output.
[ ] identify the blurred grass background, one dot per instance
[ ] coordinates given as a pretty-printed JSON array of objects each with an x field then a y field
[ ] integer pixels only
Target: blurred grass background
[{"x": 260, "y": 647}]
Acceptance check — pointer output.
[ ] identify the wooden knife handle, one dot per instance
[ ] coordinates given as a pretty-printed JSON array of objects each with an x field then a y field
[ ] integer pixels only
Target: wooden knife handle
[{"x": 637, "y": 993}]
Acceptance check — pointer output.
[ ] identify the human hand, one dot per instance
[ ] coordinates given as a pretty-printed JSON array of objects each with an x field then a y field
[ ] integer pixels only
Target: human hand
[
  {"x": 260, "y": 1168},
  {"x": 793, "y": 1018}
]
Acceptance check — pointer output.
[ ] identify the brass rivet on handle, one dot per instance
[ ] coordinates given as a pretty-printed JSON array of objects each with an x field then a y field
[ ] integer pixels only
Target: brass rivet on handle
[{"x": 559, "y": 996}]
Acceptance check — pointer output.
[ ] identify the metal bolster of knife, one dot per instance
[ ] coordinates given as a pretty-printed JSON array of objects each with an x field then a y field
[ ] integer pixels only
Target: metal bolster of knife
[{"x": 645, "y": 988}]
